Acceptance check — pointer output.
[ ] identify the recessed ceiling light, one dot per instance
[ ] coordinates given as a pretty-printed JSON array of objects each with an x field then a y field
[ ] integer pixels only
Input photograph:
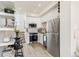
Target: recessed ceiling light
[{"x": 39, "y": 5}]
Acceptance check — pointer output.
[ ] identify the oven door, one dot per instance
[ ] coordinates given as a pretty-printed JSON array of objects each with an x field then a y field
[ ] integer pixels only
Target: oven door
[{"x": 33, "y": 37}]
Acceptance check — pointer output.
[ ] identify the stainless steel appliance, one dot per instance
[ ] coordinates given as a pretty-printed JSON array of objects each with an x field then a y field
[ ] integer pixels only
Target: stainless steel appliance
[{"x": 53, "y": 40}]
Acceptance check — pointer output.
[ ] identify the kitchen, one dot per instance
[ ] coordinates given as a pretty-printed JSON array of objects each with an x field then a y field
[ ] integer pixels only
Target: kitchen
[{"x": 38, "y": 29}]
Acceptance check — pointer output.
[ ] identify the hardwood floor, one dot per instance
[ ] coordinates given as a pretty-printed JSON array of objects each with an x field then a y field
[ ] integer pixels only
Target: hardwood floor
[{"x": 35, "y": 50}]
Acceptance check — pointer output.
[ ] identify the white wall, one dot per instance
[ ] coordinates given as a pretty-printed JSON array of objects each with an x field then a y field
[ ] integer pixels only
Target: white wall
[
  {"x": 65, "y": 29},
  {"x": 69, "y": 28},
  {"x": 74, "y": 26},
  {"x": 20, "y": 17},
  {"x": 21, "y": 20}
]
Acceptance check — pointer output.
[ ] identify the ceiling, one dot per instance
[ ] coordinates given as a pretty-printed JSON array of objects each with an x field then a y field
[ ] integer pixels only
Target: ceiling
[
  {"x": 8, "y": 4},
  {"x": 33, "y": 8}
]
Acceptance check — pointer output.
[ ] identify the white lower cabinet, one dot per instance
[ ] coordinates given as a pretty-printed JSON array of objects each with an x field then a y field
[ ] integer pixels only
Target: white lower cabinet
[{"x": 40, "y": 38}]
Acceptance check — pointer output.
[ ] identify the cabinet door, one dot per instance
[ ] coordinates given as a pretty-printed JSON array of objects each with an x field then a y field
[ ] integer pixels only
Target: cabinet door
[
  {"x": 27, "y": 37},
  {"x": 40, "y": 38}
]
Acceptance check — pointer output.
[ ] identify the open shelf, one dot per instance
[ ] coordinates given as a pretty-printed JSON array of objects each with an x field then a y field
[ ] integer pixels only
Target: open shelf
[
  {"x": 6, "y": 14},
  {"x": 6, "y": 29}
]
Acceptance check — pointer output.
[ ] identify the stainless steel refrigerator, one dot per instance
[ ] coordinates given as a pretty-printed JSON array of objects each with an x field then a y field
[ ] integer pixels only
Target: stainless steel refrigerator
[{"x": 53, "y": 37}]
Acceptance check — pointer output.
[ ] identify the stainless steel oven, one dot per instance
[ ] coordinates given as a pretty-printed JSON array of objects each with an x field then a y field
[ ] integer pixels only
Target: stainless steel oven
[{"x": 33, "y": 37}]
